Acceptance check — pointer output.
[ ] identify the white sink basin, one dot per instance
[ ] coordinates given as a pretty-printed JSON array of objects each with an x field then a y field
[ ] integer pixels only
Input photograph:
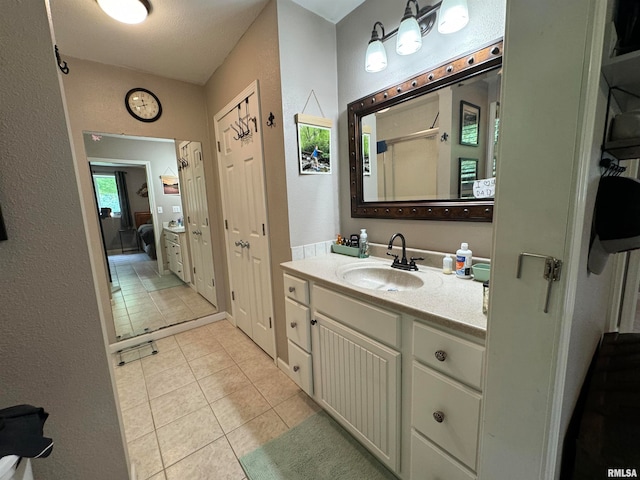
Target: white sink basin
[{"x": 378, "y": 276}]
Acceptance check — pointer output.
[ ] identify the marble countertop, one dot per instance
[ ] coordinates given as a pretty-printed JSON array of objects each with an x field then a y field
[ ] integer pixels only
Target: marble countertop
[
  {"x": 443, "y": 299},
  {"x": 175, "y": 229}
]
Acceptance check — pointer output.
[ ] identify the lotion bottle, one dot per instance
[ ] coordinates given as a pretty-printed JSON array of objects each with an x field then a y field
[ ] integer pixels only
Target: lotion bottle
[
  {"x": 447, "y": 265},
  {"x": 463, "y": 261},
  {"x": 363, "y": 244}
]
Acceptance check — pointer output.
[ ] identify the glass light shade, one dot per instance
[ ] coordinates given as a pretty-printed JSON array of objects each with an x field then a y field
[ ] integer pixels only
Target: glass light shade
[
  {"x": 453, "y": 16},
  {"x": 409, "y": 37},
  {"x": 125, "y": 11},
  {"x": 376, "y": 58}
]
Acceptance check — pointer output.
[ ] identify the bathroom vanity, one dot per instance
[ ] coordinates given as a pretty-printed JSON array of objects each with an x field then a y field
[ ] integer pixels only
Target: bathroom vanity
[
  {"x": 395, "y": 357},
  {"x": 175, "y": 244}
]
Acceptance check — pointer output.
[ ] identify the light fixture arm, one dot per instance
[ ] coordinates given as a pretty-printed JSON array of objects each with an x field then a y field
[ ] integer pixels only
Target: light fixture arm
[{"x": 426, "y": 17}]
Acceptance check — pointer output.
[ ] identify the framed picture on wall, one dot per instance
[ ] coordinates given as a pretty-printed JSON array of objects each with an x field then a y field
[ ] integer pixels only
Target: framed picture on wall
[
  {"x": 170, "y": 184},
  {"x": 469, "y": 124},
  {"x": 366, "y": 154},
  {"x": 467, "y": 174},
  {"x": 314, "y": 144}
]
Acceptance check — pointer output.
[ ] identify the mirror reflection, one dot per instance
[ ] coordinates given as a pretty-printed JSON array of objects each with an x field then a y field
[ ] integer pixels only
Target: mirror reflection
[
  {"x": 435, "y": 146},
  {"x": 148, "y": 205}
]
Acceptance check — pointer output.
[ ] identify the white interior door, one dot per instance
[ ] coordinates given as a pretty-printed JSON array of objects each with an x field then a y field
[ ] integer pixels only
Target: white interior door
[{"x": 244, "y": 202}]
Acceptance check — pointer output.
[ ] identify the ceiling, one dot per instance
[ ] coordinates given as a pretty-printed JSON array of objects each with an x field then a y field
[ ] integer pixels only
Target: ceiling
[{"x": 183, "y": 40}]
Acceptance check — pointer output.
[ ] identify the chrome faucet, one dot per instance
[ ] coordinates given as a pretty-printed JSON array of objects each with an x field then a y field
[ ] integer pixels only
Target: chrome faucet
[{"x": 402, "y": 264}]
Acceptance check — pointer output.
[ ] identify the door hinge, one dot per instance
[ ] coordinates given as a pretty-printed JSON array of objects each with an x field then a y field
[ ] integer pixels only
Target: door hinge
[
  {"x": 213, "y": 282},
  {"x": 233, "y": 295},
  {"x": 219, "y": 147},
  {"x": 263, "y": 231},
  {"x": 206, "y": 221},
  {"x": 188, "y": 219},
  {"x": 194, "y": 270},
  {"x": 270, "y": 323},
  {"x": 226, "y": 225}
]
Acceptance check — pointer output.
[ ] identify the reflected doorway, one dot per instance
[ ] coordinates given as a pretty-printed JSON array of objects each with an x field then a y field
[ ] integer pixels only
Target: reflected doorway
[{"x": 142, "y": 176}]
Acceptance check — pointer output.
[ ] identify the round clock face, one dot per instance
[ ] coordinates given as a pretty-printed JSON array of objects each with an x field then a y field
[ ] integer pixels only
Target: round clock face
[{"x": 143, "y": 105}]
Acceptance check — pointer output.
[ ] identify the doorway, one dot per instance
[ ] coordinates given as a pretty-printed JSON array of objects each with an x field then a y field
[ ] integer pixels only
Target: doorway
[{"x": 147, "y": 292}]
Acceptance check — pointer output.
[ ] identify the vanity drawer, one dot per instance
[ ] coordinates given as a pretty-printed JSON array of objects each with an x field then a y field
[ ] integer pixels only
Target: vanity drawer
[
  {"x": 298, "y": 323},
  {"x": 455, "y": 357},
  {"x": 457, "y": 433},
  {"x": 300, "y": 367},
  {"x": 428, "y": 463},
  {"x": 296, "y": 289},
  {"x": 177, "y": 252},
  {"x": 372, "y": 321},
  {"x": 172, "y": 237}
]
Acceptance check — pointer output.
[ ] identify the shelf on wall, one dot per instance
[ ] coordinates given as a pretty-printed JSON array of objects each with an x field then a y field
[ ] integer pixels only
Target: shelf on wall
[{"x": 626, "y": 149}]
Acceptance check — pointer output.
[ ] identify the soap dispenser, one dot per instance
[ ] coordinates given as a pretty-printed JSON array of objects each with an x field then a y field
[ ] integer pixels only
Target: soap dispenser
[{"x": 363, "y": 244}]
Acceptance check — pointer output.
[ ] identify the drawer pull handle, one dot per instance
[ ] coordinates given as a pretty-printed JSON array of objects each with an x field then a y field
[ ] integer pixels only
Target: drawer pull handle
[
  {"x": 314, "y": 321},
  {"x": 441, "y": 355},
  {"x": 438, "y": 416},
  {"x": 292, "y": 289},
  {"x": 296, "y": 368},
  {"x": 294, "y": 324}
]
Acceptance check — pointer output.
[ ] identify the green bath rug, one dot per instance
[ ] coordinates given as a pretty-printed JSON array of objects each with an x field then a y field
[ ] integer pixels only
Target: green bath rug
[{"x": 317, "y": 449}]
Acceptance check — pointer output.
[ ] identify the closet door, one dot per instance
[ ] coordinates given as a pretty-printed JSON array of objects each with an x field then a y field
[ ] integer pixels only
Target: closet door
[{"x": 241, "y": 166}]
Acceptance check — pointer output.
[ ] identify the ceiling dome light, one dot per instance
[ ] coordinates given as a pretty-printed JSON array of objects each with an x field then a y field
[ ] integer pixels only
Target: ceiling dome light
[
  {"x": 409, "y": 35},
  {"x": 126, "y": 11},
  {"x": 453, "y": 16},
  {"x": 376, "y": 56}
]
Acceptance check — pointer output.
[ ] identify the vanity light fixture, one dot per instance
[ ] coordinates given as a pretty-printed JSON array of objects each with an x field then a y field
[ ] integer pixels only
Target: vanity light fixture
[
  {"x": 126, "y": 11},
  {"x": 453, "y": 16}
]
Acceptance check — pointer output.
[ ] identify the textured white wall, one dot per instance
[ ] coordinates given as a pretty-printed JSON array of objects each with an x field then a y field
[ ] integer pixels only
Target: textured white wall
[
  {"x": 51, "y": 346},
  {"x": 486, "y": 24},
  {"x": 308, "y": 62}
]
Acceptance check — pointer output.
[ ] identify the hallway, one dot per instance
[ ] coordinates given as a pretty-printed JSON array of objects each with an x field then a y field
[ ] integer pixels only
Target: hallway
[{"x": 208, "y": 397}]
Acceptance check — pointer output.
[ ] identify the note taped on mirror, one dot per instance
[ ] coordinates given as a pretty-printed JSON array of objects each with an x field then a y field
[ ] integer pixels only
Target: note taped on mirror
[{"x": 484, "y": 188}]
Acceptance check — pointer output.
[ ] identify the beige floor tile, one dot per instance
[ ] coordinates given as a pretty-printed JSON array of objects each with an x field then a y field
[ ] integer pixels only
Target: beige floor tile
[
  {"x": 175, "y": 318},
  {"x": 124, "y": 330},
  {"x": 144, "y": 452},
  {"x": 202, "y": 347},
  {"x": 176, "y": 404},
  {"x": 158, "y": 476},
  {"x": 147, "y": 308},
  {"x": 169, "y": 380},
  {"x": 175, "y": 309},
  {"x": 184, "y": 436},
  {"x": 120, "y": 311},
  {"x": 136, "y": 292},
  {"x": 215, "y": 461},
  {"x": 161, "y": 361},
  {"x": 211, "y": 363},
  {"x": 183, "y": 291},
  {"x": 132, "y": 394},
  {"x": 166, "y": 343},
  {"x": 242, "y": 350},
  {"x": 257, "y": 432},
  {"x": 276, "y": 388},
  {"x": 221, "y": 327},
  {"x": 223, "y": 383},
  {"x": 239, "y": 407},
  {"x": 129, "y": 373},
  {"x": 297, "y": 409},
  {"x": 258, "y": 366},
  {"x": 192, "y": 335},
  {"x": 137, "y": 421}
]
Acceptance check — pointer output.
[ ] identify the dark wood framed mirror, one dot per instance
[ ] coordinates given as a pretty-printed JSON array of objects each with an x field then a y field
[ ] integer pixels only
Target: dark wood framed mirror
[{"x": 404, "y": 145}]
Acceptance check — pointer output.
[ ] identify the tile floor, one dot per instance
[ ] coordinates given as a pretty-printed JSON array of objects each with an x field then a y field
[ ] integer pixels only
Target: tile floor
[
  {"x": 207, "y": 398},
  {"x": 136, "y": 310}
]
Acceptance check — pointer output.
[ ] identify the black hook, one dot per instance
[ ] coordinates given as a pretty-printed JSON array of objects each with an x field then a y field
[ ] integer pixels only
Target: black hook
[
  {"x": 61, "y": 65},
  {"x": 270, "y": 120}
]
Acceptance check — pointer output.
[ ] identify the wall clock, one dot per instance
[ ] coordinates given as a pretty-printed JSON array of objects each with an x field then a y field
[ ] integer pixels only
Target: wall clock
[{"x": 143, "y": 105}]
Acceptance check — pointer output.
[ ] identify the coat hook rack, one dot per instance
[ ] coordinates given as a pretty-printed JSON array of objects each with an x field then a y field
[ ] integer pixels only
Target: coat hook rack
[{"x": 61, "y": 65}]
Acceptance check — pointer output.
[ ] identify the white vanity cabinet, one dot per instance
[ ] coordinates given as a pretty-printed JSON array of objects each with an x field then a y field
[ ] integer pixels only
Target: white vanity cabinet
[
  {"x": 298, "y": 320},
  {"x": 445, "y": 404},
  {"x": 358, "y": 378},
  {"x": 175, "y": 245}
]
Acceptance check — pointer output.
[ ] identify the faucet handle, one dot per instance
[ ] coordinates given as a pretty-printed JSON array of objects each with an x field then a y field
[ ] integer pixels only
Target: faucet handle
[
  {"x": 392, "y": 255},
  {"x": 413, "y": 259}
]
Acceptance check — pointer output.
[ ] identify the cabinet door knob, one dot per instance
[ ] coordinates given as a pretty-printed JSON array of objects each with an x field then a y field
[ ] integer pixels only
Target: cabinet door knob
[
  {"x": 292, "y": 289},
  {"x": 294, "y": 324},
  {"x": 438, "y": 416},
  {"x": 313, "y": 322},
  {"x": 296, "y": 368},
  {"x": 441, "y": 355}
]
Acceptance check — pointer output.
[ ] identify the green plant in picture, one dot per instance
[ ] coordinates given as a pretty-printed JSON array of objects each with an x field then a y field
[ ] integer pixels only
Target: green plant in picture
[{"x": 315, "y": 148}]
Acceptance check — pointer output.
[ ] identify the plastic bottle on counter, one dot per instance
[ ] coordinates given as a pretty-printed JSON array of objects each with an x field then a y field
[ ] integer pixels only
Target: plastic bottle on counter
[
  {"x": 447, "y": 265},
  {"x": 363, "y": 244},
  {"x": 463, "y": 261}
]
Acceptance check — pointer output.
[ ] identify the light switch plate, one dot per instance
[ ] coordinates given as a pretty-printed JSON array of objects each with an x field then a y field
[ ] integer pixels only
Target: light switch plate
[
  {"x": 159, "y": 209},
  {"x": 176, "y": 209}
]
